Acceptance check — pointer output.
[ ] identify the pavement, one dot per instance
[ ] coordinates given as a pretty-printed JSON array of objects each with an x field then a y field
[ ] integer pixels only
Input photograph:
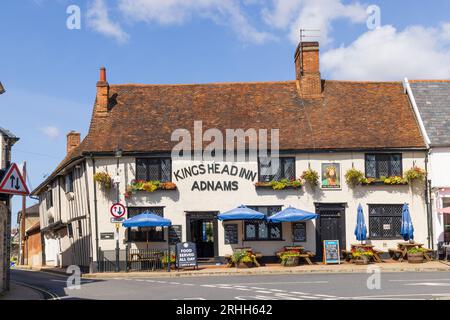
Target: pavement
[
  {"x": 372, "y": 285},
  {"x": 433, "y": 266},
  {"x": 21, "y": 292}
]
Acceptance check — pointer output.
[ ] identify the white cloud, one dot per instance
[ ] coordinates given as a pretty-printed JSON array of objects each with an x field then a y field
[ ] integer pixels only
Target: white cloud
[
  {"x": 179, "y": 12},
  {"x": 51, "y": 132},
  {"x": 99, "y": 20},
  {"x": 293, "y": 15},
  {"x": 387, "y": 54}
]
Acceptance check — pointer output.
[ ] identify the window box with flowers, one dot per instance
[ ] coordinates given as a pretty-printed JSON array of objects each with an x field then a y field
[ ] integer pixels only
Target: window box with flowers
[
  {"x": 281, "y": 185},
  {"x": 148, "y": 186}
]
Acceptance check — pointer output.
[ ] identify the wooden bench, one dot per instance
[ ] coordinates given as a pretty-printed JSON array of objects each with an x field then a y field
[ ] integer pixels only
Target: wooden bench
[
  {"x": 427, "y": 255},
  {"x": 347, "y": 255},
  {"x": 377, "y": 255},
  {"x": 307, "y": 257},
  {"x": 258, "y": 262}
]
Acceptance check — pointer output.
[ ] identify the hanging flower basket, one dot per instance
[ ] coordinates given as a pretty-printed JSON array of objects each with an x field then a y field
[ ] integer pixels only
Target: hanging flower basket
[
  {"x": 104, "y": 180},
  {"x": 311, "y": 177}
]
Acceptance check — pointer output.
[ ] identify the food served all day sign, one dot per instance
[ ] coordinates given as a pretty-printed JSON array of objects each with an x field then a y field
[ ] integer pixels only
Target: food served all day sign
[{"x": 186, "y": 255}]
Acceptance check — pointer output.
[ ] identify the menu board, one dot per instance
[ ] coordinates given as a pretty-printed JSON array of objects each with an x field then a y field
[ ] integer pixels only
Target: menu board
[
  {"x": 175, "y": 232},
  {"x": 331, "y": 252},
  {"x": 231, "y": 233},
  {"x": 299, "y": 231}
]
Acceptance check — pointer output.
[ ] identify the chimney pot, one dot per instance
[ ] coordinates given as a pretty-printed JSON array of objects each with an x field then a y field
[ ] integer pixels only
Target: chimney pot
[
  {"x": 73, "y": 140},
  {"x": 102, "y": 99}
]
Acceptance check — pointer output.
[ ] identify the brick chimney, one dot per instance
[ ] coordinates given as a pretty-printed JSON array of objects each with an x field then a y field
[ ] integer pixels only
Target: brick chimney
[
  {"x": 73, "y": 140},
  {"x": 307, "y": 68},
  {"x": 101, "y": 103}
]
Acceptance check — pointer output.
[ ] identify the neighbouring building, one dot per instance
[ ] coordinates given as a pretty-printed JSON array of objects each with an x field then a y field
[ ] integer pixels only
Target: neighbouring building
[
  {"x": 7, "y": 140},
  {"x": 431, "y": 101},
  {"x": 31, "y": 242},
  {"x": 327, "y": 126}
]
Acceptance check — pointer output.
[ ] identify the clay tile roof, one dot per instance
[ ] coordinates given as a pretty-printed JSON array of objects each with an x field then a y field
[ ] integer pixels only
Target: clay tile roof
[{"x": 351, "y": 115}]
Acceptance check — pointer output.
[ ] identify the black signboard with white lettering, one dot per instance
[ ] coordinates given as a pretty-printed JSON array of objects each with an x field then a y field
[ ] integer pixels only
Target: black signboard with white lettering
[
  {"x": 175, "y": 232},
  {"x": 186, "y": 255},
  {"x": 231, "y": 233},
  {"x": 299, "y": 231}
]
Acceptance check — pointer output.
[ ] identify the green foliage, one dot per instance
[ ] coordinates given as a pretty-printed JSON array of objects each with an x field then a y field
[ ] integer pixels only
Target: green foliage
[
  {"x": 104, "y": 180},
  {"x": 354, "y": 177},
  {"x": 415, "y": 174},
  {"x": 311, "y": 177},
  {"x": 415, "y": 250}
]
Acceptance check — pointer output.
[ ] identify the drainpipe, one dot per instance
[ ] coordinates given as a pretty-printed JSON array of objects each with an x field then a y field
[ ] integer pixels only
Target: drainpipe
[
  {"x": 428, "y": 204},
  {"x": 96, "y": 214},
  {"x": 91, "y": 258}
]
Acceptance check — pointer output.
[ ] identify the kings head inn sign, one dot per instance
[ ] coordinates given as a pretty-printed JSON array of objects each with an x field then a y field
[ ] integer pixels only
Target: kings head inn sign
[{"x": 233, "y": 173}]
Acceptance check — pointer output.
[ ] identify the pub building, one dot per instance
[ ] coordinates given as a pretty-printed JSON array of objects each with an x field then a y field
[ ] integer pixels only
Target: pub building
[{"x": 327, "y": 126}]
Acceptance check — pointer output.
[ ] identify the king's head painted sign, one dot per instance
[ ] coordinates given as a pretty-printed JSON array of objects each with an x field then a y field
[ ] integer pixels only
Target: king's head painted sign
[{"x": 13, "y": 182}]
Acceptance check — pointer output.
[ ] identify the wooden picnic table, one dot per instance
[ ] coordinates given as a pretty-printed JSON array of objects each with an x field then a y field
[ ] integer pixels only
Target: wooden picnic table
[
  {"x": 401, "y": 253},
  {"x": 303, "y": 254},
  {"x": 258, "y": 256},
  {"x": 368, "y": 247}
]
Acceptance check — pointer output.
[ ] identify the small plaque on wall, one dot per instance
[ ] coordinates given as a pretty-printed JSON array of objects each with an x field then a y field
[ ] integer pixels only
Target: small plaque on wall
[
  {"x": 231, "y": 234},
  {"x": 299, "y": 231}
]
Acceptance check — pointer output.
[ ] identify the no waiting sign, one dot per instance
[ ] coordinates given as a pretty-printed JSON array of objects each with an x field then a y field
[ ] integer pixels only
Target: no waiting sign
[{"x": 118, "y": 210}]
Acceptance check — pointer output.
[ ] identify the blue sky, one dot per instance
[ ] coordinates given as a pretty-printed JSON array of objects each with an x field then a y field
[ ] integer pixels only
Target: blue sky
[{"x": 50, "y": 72}]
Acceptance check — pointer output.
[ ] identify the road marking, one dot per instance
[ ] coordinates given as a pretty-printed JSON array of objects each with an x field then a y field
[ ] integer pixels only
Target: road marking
[
  {"x": 418, "y": 280},
  {"x": 262, "y": 291},
  {"x": 53, "y": 296},
  {"x": 174, "y": 282},
  {"x": 297, "y": 292},
  {"x": 190, "y": 299},
  {"x": 188, "y": 284},
  {"x": 277, "y": 290},
  {"x": 242, "y": 289},
  {"x": 140, "y": 280},
  {"x": 288, "y": 295},
  {"x": 325, "y": 296},
  {"x": 431, "y": 284},
  {"x": 150, "y": 280},
  {"x": 399, "y": 295},
  {"x": 263, "y": 283},
  {"x": 161, "y": 281},
  {"x": 209, "y": 285}
]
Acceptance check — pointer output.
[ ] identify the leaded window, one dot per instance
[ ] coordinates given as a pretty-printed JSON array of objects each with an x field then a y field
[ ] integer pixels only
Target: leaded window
[
  {"x": 275, "y": 169},
  {"x": 154, "y": 169},
  {"x": 261, "y": 230},
  {"x": 385, "y": 221},
  {"x": 383, "y": 165},
  {"x": 149, "y": 234},
  {"x": 68, "y": 182}
]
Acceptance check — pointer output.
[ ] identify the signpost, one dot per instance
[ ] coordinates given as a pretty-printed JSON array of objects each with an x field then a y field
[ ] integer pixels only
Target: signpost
[
  {"x": 331, "y": 252},
  {"x": 13, "y": 182},
  {"x": 186, "y": 255},
  {"x": 118, "y": 210}
]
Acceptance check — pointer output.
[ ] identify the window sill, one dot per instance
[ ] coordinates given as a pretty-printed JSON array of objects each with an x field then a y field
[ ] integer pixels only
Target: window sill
[
  {"x": 380, "y": 183},
  {"x": 271, "y": 188}
]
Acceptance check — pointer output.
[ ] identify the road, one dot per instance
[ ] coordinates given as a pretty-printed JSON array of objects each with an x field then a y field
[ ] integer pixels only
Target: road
[{"x": 405, "y": 286}]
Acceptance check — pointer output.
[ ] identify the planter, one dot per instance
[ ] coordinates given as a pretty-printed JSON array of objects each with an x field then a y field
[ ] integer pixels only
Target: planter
[
  {"x": 245, "y": 265},
  {"x": 415, "y": 257},
  {"x": 291, "y": 262}
]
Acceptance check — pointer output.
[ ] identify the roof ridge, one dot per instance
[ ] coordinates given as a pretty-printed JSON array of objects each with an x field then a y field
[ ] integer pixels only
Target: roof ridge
[
  {"x": 199, "y": 84},
  {"x": 429, "y": 81}
]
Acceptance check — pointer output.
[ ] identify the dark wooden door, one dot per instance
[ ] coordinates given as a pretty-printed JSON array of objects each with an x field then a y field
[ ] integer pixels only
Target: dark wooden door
[
  {"x": 330, "y": 225},
  {"x": 202, "y": 230}
]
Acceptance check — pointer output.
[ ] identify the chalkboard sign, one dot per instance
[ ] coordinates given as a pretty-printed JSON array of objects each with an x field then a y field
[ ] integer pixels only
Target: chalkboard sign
[
  {"x": 231, "y": 234},
  {"x": 175, "y": 232},
  {"x": 186, "y": 255},
  {"x": 331, "y": 252},
  {"x": 299, "y": 231}
]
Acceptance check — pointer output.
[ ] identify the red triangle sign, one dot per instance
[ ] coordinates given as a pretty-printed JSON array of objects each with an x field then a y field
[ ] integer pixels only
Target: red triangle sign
[{"x": 13, "y": 182}]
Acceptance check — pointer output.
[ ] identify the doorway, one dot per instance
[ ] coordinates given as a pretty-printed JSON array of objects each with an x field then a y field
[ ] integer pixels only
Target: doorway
[
  {"x": 202, "y": 230},
  {"x": 330, "y": 225}
]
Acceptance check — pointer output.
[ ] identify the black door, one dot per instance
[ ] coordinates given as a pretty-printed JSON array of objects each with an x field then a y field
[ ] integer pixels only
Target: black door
[
  {"x": 202, "y": 230},
  {"x": 330, "y": 225}
]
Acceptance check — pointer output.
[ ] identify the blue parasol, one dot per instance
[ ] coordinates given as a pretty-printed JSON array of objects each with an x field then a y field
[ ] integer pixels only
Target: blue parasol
[{"x": 361, "y": 229}]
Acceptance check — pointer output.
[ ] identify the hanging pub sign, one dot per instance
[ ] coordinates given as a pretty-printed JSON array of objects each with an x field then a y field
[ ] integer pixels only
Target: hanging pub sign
[
  {"x": 186, "y": 255},
  {"x": 175, "y": 232},
  {"x": 331, "y": 252}
]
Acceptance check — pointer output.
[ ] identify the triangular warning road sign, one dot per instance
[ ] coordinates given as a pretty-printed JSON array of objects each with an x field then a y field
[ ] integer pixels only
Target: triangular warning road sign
[{"x": 13, "y": 182}]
